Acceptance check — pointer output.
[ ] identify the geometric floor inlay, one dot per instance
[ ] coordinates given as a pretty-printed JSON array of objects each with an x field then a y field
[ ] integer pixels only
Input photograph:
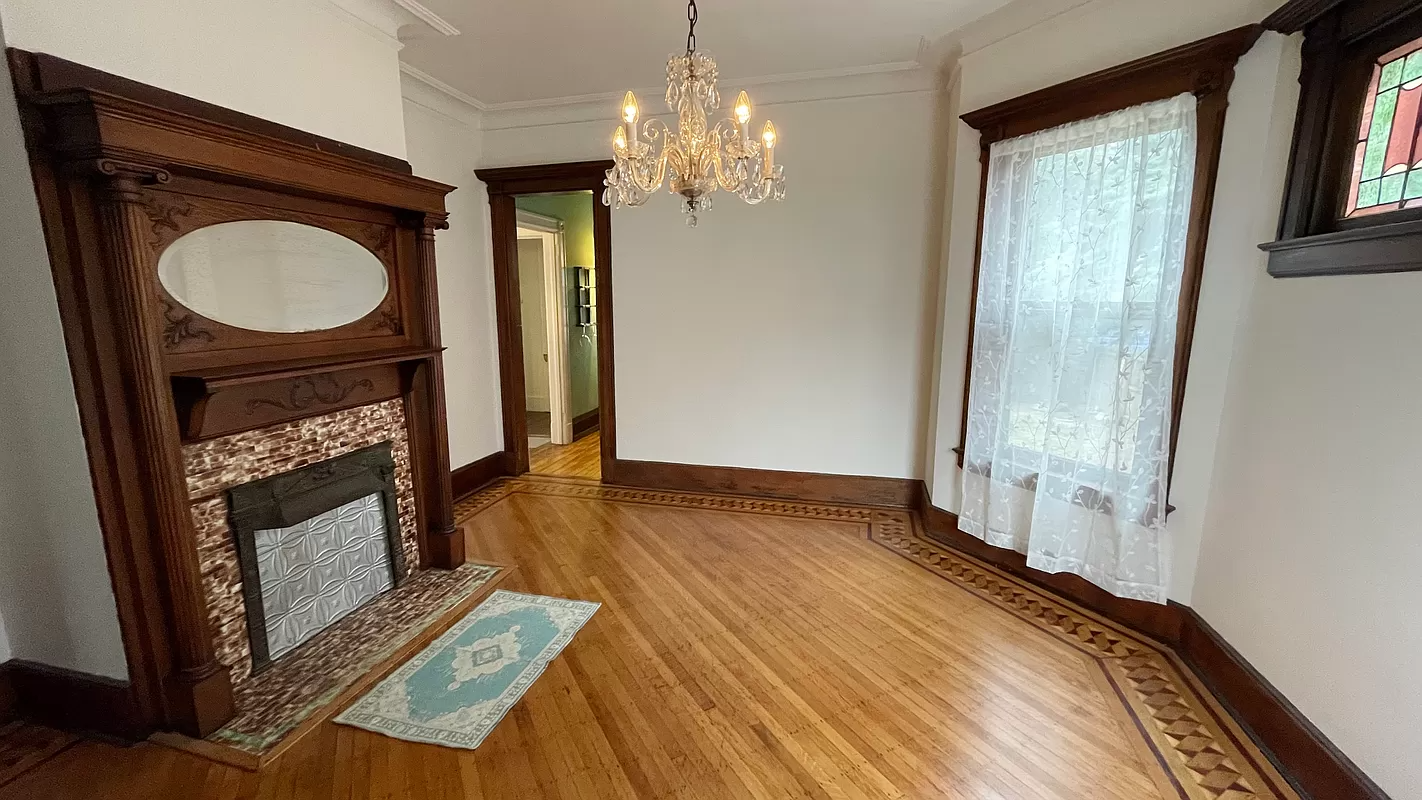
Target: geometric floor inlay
[{"x": 1205, "y": 753}]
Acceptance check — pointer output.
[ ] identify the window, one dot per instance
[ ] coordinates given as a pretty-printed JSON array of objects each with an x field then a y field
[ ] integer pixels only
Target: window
[
  {"x": 1094, "y": 210},
  {"x": 1387, "y": 163},
  {"x": 1354, "y": 197}
]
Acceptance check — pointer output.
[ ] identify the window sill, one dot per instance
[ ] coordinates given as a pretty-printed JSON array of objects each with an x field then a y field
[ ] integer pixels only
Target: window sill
[{"x": 1393, "y": 247}]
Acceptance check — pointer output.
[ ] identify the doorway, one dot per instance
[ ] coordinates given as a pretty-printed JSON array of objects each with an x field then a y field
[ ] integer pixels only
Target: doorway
[{"x": 552, "y": 263}]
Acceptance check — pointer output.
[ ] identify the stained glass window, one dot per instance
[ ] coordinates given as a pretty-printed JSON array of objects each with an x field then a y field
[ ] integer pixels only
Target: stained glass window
[{"x": 1387, "y": 165}]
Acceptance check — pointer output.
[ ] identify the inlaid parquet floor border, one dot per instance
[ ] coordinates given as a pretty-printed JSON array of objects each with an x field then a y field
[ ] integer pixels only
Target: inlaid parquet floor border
[{"x": 1204, "y": 751}]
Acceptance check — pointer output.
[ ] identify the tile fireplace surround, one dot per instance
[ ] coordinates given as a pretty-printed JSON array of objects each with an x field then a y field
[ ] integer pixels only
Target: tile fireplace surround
[{"x": 220, "y": 464}]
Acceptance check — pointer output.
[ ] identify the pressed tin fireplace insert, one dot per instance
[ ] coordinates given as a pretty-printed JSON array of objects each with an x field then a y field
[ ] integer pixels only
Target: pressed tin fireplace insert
[{"x": 315, "y": 544}]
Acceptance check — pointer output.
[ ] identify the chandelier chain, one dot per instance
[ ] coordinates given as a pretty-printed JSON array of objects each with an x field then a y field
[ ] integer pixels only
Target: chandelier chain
[{"x": 691, "y": 29}]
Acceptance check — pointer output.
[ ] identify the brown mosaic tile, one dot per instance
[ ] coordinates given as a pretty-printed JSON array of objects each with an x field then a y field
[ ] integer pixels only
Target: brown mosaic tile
[
  {"x": 274, "y": 702},
  {"x": 217, "y": 465}
]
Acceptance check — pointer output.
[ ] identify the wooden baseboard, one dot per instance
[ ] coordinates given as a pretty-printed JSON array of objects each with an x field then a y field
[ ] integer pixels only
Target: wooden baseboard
[
  {"x": 471, "y": 477},
  {"x": 74, "y": 701},
  {"x": 8, "y": 711},
  {"x": 1300, "y": 750},
  {"x": 1160, "y": 622},
  {"x": 810, "y": 487},
  {"x": 585, "y": 423}
]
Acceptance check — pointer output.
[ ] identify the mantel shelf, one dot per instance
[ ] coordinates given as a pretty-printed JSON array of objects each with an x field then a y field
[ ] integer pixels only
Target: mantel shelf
[{"x": 226, "y": 377}]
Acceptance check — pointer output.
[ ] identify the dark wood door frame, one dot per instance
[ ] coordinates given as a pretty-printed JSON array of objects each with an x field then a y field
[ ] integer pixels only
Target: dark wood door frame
[{"x": 504, "y": 184}]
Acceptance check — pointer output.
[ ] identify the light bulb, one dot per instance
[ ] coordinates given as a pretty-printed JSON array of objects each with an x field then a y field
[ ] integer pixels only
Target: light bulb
[
  {"x": 743, "y": 108},
  {"x": 629, "y": 109},
  {"x": 619, "y": 139},
  {"x": 768, "y": 135}
]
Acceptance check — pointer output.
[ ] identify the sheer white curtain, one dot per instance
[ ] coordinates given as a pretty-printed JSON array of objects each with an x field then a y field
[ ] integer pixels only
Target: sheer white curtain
[{"x": 1067, "y": 445}]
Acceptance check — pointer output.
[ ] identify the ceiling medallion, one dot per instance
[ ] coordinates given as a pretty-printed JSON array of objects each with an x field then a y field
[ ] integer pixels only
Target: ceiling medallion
[{"x": 694, "y": 160}]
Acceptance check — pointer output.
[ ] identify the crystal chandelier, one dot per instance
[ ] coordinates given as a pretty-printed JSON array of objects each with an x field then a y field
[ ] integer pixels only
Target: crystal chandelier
[{"x": 694, "y": 160}]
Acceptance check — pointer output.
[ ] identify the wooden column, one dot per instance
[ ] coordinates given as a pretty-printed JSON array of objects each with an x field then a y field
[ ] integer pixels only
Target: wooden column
[
  {"x": 429, "y": 445},
  {"x": 198, "y": 689}
]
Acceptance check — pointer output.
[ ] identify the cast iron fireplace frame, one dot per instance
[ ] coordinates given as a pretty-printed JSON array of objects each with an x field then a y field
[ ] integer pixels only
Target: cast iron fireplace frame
[{"x": 296, "y": 496}]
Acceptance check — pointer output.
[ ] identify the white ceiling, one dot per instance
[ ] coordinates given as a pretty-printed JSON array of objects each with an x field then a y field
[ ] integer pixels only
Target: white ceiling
[{"x": 527, "y": 50}]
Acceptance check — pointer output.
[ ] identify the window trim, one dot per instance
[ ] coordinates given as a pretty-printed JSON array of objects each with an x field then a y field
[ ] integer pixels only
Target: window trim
[
  {"x": 1204, "y": 68},
  {"x": 1342, "y": 39}
]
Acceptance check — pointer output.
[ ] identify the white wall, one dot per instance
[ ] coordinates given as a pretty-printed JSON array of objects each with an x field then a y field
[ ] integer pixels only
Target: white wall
[
  {"x": 55, "y": 593},
  {"x": 1310, "y": 561},
  {"x": 444, "y": 144},
  {"x": 788, "y": 335},
  {"x": 302, "y": 63}
]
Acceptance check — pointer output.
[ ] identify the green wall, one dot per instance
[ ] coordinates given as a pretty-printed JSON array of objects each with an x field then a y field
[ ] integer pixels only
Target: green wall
[{"x": 575, "y": 210}]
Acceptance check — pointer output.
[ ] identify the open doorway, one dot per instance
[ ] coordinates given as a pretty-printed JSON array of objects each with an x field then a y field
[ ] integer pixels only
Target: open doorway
[
  {"x": 558, "y": 313},
  {"x": 552, "y": 266}
]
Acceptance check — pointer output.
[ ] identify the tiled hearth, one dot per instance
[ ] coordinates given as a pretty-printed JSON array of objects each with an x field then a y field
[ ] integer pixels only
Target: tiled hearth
[{"x": 216, "y": 466}]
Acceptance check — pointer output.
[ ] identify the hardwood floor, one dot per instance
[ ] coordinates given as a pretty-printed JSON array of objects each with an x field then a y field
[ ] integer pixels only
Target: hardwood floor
[
  {"x": 762, "y": 649},
  {"x": 581, "y": 459}
]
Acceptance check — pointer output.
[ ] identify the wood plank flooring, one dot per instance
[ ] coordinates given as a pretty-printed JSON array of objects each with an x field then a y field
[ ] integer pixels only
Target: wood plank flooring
[
  {"x": 761, "y": 649},
  {"x": 581, "y": 459}
]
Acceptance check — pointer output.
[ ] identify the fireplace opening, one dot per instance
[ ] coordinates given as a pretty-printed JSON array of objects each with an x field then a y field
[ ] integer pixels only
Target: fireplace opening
[{"x": 315, "y": 544}]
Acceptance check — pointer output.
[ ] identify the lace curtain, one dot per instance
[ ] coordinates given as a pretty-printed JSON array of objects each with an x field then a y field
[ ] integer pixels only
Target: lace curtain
[{"x": 1068, "y": 434}]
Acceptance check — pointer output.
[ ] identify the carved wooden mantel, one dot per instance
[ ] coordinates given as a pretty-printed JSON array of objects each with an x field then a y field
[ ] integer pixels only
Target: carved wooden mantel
[{"x": 121, "y": 171}]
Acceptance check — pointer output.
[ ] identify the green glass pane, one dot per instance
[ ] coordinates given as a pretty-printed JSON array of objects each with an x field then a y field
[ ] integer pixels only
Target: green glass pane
[
  {"x": 1376, "y": 153},
  {"x": 1368, "y": 194},
  {"x": 1390, "y": 188},
  {"x": 1412, "y": 68},
  {"x": 1414, "y": 185},
  {"x": 1391, "y": 75}
]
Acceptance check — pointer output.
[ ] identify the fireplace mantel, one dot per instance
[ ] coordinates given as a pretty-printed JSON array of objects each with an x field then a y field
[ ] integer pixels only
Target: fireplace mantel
[
  {"x": 221, "y": 400},
  {"x": 122, "y": 171}
]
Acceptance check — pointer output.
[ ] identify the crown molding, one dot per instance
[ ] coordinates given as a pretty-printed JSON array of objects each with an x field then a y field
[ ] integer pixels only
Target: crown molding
[
  {"x": 392, "y": 22},
  {"x": 797, "y": 87},
  {"x": 436, "y": 96}
]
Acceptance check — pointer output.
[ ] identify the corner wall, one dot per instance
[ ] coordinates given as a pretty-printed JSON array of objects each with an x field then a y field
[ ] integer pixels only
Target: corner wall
[
  {"x": 789, "y": 335},
  {"x": 444, "y": 144}
]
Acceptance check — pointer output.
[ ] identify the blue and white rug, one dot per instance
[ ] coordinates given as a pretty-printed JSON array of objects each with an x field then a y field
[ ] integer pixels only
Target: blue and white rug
[{"x": 456, "y": 690}]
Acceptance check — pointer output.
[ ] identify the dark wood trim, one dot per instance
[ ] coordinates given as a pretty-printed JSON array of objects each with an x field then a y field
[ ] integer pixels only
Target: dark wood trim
[
  {"x": 1157, "y": 621},
  {"x": 1300, "y": 750},
  {"x": 808, "y": 487},
  {"x": 1364, "y": 251},
  {"x": 504, "y": 183},
  {"x": 1199, "y": 68},
  {"x": 473, "y": 476},
  {"x": 74, "y": 701},
  {"x": 8, "y": 710},
  {"x": 1204, "y": 68},
  {"x": 1294, "y": 15},
  {"x": 1342, "y": 41},
  {"x": 586, "y": 423}
]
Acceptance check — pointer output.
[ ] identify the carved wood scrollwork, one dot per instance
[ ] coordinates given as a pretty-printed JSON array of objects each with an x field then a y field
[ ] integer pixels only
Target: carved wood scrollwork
[
  {"x": 180, "y": 325},
  {"x": 311, "y": 390}
]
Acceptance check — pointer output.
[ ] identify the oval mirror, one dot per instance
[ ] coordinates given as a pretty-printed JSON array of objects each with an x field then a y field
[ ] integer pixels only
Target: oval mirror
[{"x": 271, "y": 275}]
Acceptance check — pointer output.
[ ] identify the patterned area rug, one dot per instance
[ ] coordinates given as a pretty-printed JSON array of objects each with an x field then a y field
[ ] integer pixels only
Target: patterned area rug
[
  {"x": 272, "y": 704},
  {"x": 456, "y": 690}
]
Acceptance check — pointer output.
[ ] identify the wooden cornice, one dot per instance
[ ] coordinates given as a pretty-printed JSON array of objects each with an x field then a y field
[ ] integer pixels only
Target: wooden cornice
[
  {"x": 530, "y": 179},
  {"x": 90, "y": 116},
  {"x": 1202, "y": 68},
  {"x": 1295, "y": 15}
]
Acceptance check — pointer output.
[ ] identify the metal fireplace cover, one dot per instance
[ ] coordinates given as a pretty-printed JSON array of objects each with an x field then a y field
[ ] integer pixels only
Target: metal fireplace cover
[{"x": 337, "y": 495}]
